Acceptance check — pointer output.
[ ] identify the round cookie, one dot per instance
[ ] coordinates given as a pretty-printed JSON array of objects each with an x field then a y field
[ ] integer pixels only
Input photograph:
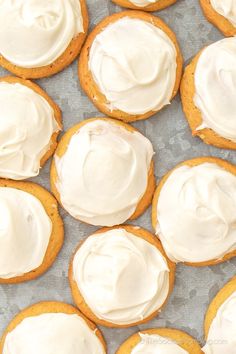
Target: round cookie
[
  {"x": 193, "y": 113},
  {"x": 81, "y": 302},
  {"x": 57, "y": 113},
  {"x": 221, "y": 22},
  {"x": 181, "y": 338},
  {"x": 146, "y": 199},
  {"x": 57, "y": 234},
  {"x": 216, "y": 306},
  {"x": 49, "y": 307},
  {"x": 152, "y": 6},
  {"x": 193, "y": 163},
  {"x": 86, "y": 77},
  {"x": 64, "y": 60}
]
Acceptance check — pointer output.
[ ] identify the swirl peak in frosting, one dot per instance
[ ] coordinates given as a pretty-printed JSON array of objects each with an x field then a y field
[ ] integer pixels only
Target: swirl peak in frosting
[
  {"x": 103, "y": 174},
  {"x": 215, "y": 87},
  {"x": 27, "y": 123},
  {"x": 134, "y": 65},
  {"x": 196, "y": 213},
  {"x": 41, "y": 30},
  {"x": 52, "y": 333},
  {"x": 25, "y": 231},
  {"x": 109, "y": 264}
]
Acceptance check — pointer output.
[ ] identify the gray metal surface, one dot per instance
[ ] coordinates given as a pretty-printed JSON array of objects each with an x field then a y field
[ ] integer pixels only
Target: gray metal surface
[{"x": 172, "y": 141}]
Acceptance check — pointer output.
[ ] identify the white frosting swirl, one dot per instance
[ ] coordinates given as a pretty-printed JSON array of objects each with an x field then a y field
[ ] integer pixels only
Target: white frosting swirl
[
  {"x": 153, "y": 344},
  {"x": 34, "y": 33},
  {"x": 134, "y": 65},
  {"x": 52, "y": 333},
  {"x": 226, "y": 8},
  {"x": 143, "y": 3},
  {"x": 25, "y": 231},
  {"x": 222, "y": 332},
  {"x": 108, "y": 265},
  {"x": 215, "y": 87},
  {"x": 196, "y": 213},
  {"x": 27, "y": 123},
  {"x": 104, "y": 173}
]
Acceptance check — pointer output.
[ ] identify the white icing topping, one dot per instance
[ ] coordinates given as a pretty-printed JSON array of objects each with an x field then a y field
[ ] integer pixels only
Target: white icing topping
[
  {"x": 35, "y": 33},
  {"x": 143, "y": 3},
  {"x": 25, "y": 230},
  {"x": 155, "y": 344},
  {"x": 134, "y": 65},
  {"x": 104, "y": 173},
  {"x": 52, "y": 333},
  {"x": 226, "y": 8},
  {"x": 27, "y": 123},
  {"x": 196, "y": 213},
  {"x": 222, "y": 332},
  {"x": 108, "y": 265},
  {"x": 215, "y": 87}
]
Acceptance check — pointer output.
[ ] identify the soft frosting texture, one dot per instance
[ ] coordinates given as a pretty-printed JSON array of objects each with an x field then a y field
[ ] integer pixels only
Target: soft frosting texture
[
  {"x": 104, "y": 173},
  {"x": 226, "y": 8},
  {"x": 108, "y": 265},
  {"x": 27, "y": 123},
  {"x": 143, "y": 3},
  {"x": 196, "y": 213},
  {"x": 155, "y": 344},
  {"x": 134, "y": 65},
  {"x": 34, "y": 33},
  {"x": 215, "y": 87},
  {"x": 221, "y": 336},
  {"x": 25, "y": 230},
  {"x": 52, "y": 333}
]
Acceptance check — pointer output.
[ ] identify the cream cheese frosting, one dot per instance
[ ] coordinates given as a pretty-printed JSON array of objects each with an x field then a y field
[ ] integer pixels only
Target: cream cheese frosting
[
  {"x": 52, "y": 333},
  {"x": 134, "y": 65},
  {"x": 35, "y": 33},
  {"x": 221, "y": 336},
  {"x": 27, "y": 123},
  {"x": 108, "y": 265},
  {"x": 215, "y": 87},
  {"x": 143, "y": 3},
  {"x": 25, "y": 231},
  {"x": 153, "y": 344},
  {"x": 104, "y": 173},
  {"x": 226, "y": 8},
  {"x": 196, "y": 213}
]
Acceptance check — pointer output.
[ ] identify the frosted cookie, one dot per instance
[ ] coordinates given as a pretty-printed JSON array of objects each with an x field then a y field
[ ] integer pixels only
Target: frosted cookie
[
  {"x": 31, "y": 231},
  {"x": 51, "y": 327},
  {"x": 222, "y": 14},
  {"x": 120, "y": 276},
  {"x": 145, "y": 5},
  {"x": 194, "y": 211},
  {"x": 208, "y": 93},
  {"x": 102, "y": 172},
  {"x": 220, "y": 321},
  {"x": 29, "y": 125},
  {"x": 41, "y": 38},
  {"x": 161, "y": 341},
  {"x": 130, "y": 65}
]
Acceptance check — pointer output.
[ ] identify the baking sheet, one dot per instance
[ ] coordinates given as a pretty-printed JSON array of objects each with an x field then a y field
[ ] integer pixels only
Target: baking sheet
[{"x": 172, "y": 141}]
